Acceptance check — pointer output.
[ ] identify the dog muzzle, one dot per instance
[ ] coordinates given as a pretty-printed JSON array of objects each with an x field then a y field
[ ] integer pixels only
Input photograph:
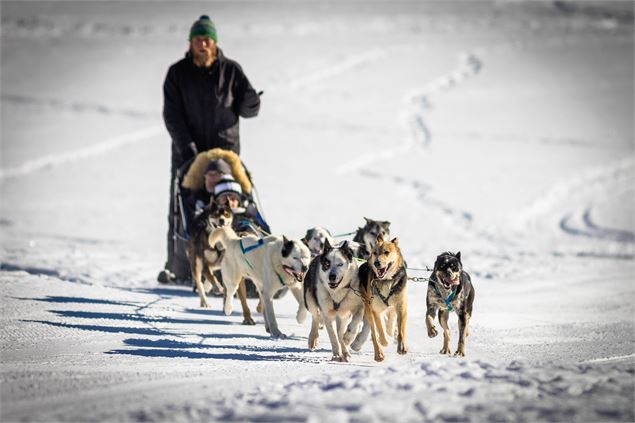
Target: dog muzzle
[{"x": 298, "y": 276}]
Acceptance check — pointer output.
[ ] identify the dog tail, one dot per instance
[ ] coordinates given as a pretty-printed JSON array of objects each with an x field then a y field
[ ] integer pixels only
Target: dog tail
[{"x": 223, "y": 235}]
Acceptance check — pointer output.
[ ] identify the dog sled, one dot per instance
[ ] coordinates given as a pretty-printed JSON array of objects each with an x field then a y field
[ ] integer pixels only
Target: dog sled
[{"x": 189, "y": 179}]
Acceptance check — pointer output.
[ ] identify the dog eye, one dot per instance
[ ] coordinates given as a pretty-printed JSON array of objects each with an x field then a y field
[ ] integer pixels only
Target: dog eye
[
  {"x": 340, "y": 264},
  {"x": 386, "y": 253}
]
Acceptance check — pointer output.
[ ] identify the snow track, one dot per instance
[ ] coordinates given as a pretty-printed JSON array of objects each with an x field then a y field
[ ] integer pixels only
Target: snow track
[{"x": 82, "y": 153}]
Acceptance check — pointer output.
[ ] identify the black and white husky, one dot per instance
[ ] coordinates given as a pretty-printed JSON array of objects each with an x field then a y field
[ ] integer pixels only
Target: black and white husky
[
  {"x": 315, "y": 239},
  {"x": 331, "y": 294}
]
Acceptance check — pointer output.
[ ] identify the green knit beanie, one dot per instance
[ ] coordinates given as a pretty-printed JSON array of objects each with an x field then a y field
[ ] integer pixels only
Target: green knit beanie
[{"x": 204, "y": 26}]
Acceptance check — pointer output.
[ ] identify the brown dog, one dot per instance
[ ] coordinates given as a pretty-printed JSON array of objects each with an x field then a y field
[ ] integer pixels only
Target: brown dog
[
  {"x": 205, "y": 258},
  {"x": 383, "y": 283}
]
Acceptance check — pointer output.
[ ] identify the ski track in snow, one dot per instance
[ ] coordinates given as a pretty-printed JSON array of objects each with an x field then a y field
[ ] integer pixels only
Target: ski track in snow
[
  {"x": 76, "y": 106},
  {"x": 581, "y": 192},
  {"x": 416, "y": 103},
  {"x": 592, "y": 230},
  {"x": 102, "y": 147}
]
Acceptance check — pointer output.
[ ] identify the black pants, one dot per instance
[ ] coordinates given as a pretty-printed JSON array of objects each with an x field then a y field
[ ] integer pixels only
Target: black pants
[{"x": 176, "y": 257}]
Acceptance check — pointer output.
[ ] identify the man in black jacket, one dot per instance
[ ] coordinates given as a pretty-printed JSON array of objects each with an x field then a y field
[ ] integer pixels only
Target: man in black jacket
[{"x": 204, "y": 95}]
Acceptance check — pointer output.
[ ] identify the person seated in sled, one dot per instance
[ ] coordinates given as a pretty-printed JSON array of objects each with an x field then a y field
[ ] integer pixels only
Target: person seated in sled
[
  {"x": 228, "y": 192},
  {"x": 197, "y": 200}
]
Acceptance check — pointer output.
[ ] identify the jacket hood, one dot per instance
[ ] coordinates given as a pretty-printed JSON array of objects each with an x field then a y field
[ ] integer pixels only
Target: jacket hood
[{"x": 194, "y": 177}]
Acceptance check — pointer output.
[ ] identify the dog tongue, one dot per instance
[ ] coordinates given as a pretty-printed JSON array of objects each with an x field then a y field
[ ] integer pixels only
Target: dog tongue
[{"x": 454, "y": 281}]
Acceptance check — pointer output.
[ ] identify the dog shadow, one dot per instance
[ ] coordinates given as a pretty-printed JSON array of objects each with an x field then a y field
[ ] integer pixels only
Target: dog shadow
[
  {"x": 137, "y": 317},
  {"x": 78, "y": 300},
  {"x": 166, "y": 292},
  {"x": 101, "y": 328},
  {"x": 179, "y": 349}
]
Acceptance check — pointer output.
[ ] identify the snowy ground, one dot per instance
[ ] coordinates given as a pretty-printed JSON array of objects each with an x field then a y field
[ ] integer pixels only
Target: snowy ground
[{"x": 503, "y": 130}]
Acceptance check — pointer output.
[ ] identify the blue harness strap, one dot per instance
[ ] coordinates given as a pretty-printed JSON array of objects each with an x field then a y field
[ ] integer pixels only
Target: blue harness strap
[
  {"x": 448, "y": 300},
  {"x": 251, "y": 247}
]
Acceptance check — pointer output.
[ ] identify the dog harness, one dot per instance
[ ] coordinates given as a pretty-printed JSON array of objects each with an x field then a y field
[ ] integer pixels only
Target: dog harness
[
  {"x": 395, "y": 288},
  {"x": 245, "y": 250},
  {"x": 448, "y": 300}
]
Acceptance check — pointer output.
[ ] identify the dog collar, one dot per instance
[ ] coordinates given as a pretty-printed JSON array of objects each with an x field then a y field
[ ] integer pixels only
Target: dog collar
[{"x": 280, "y": 279}]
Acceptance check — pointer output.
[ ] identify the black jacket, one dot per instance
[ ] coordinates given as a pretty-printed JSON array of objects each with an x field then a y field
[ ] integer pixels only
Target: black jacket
[{"x": 202, "y": 105}]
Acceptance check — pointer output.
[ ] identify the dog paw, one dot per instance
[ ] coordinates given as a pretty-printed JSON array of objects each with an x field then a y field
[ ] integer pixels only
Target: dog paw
[
  {"x": 278, "y": 335},
  {"x": 346, "y": 355},
  {"x": 313, "y": 343},
  {"x": 356, "y": 346},
  {"x": 432, "y": 332},
  {"x": 259, "y": 307},
  {"x": 248, "y": 321},
  {"x": 205, "y": 304},
  {"x": 459, "y": 353},
  {"x": 402, "y": 349},
  {"x": 379, "y": 356},
  {"x": 445, "y": 351}
]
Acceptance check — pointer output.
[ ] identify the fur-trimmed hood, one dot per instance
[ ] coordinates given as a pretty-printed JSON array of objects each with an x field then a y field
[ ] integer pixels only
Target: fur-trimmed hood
[{"x": 194, "y": 177}]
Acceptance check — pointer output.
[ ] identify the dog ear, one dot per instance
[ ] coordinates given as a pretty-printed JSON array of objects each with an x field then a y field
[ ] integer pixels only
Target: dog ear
[
  {"x": 287, "y": 246},
  {"x": 307, "y": 236},
  {"x": 346, "y": 250},
  {"x": 458, "y": 256},
  {"x": 386, "y": 224},
  {"x": 380, "y": 239},
  {"x": 327, "y": 247},
  {"x": 395, "y": 241}
]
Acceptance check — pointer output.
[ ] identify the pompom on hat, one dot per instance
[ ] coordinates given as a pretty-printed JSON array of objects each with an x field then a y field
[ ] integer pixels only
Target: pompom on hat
[{"x": 204, "y": 26}]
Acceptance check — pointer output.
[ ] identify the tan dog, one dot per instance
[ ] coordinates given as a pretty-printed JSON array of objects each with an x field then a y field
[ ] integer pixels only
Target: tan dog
[
  {"x": 384, "y": 288},
  {"x": 205, "y": 258}
]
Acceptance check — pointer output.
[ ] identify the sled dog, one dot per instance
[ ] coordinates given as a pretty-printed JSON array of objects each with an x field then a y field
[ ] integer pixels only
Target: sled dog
[
  {"x": 383, "y": 282},
  {"x": 315, "y": 239},
  {"x": 359, "y": 250},
  {"x": 272, "y": 263},
  {"x": 367, "y": 235},
  {"x": 205, "y": 258},
  {"x": 329, "y": 296},
  {"x": 449, "y": 289}
]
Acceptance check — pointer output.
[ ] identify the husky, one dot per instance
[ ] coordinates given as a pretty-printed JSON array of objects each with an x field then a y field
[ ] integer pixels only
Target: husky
[
  {"x": 449, "y": 289},
  {"x": 360, "y": 254},
  {"x": 315, "y": 239},
  {"x": 367, "y": 236},
  {"x": 272, "y": 263},
  {"x": 205, "y": 257},
  {"x": 329, "y": 297},
  {"x": 383, "y": 282}
]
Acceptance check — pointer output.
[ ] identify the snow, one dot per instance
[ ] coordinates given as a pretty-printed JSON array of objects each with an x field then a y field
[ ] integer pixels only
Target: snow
[{"x": 500, "y": 129}]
